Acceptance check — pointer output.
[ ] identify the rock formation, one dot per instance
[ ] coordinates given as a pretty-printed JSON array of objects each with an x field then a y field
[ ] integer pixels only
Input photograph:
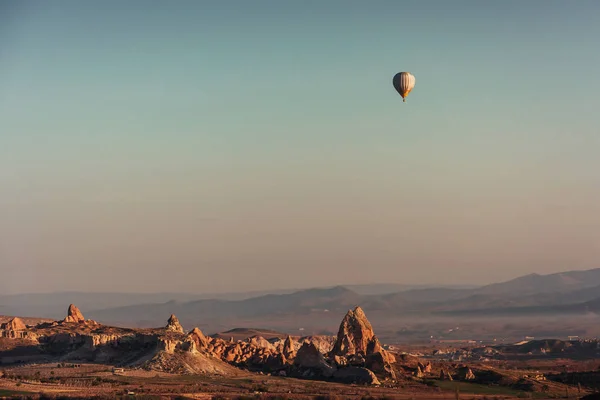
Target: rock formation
[
  {"x": 15, "y": 328},
  {"x": 425, "y": 368},
  {"x": 356, "y": 375},
  {"x": 355, "y": 357},
  {"x": 15, "y": 324},
  {"x": 465, "y": 373},
  {"x": 357, "y": 345},
  {"x": 289, "y": 350},
  {"x": 310, "y": 358},
  {"x": 445, "y": 375},
  {"x": 174, "y": 325},
  {"x": 323, "y": 343},
  {"x": 74, "y": 315},
  {"x": 354, "y": 334},
  {"x": 419, "y": 372},
  {"x": 198, "y": 339},
  {"x": 261, "y": 342}
]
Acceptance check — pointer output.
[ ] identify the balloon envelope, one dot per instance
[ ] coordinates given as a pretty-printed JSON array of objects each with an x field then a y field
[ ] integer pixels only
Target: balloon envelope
[{"x": 404, "y": 82}]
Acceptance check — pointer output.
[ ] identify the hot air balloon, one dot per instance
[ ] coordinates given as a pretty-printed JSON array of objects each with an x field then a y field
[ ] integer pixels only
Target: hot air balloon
[{"x": 404, "y": 82}]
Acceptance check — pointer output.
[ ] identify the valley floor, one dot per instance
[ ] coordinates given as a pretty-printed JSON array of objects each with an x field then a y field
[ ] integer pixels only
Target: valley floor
[{"x": 94, "y": 380}]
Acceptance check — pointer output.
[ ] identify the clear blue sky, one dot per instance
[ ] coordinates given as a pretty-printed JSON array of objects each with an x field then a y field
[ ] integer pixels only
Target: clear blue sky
[{"x": 229, "y": 145}]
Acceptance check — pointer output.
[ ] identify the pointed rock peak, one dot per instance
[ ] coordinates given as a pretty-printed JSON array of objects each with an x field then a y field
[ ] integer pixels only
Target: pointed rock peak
[
  {"x": 198, "y": 339},
  {"x": 173, "y": 324},
  {"x": 419, "y": 373},
  {"x": 354, "y": 334},
  {"x": 358, "y": 311},
  {"x": 289, "y": 343},
  {"x": 309, "y": 347},
  {"x": 16, "y": 324},
  {"x": 288, "y": 347},
  {"x": 360, "y": 315},
  {"x": 74, "y": 314},
  {"x": 260, "y": 342},
  {"x": 197, "y": 332}
]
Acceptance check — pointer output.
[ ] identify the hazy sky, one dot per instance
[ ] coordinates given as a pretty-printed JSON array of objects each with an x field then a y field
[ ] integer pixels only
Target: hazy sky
[{"x": 240, "y": 145}]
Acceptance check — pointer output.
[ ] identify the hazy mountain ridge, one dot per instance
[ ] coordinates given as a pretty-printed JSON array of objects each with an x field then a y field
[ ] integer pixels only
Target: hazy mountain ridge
[
  {"x": 46, "y": 304},
  {"x": 535, "y": 283},
  {"x": 572, "y": 291},
  {"x": 529, "y": 294}
]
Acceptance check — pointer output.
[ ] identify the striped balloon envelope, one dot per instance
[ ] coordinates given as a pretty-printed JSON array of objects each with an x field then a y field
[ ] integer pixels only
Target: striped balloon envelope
[{"x": 404, "y": 82}]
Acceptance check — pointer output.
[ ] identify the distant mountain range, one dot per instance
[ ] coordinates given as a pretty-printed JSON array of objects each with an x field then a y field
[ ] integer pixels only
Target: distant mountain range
[
  {"x": 567, "y": 292},
  {"x": 50, "y": 305}
]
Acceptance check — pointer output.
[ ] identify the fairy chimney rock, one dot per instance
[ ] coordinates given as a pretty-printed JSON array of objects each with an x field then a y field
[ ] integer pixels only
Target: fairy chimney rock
[
  {"x": 289, "y": 350},
  {"x": 354, "y": 335},
  {"x": 174, "y": 325},
  {"x": 74, "y": 315}
]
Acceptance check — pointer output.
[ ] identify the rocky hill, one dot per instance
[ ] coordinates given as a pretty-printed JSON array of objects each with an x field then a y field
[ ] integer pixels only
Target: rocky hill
[{"x": 354, "y": 356}]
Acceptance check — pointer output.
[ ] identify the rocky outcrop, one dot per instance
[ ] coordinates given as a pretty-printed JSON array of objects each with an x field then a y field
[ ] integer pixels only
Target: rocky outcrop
[
  {"x": 311, "y": 363},
  {"x": 354, "y": 334},
  {"x": 256, "y": 353},
  {"x": 289, "y": 349},
  {"x": 379, "y": 362},
  {"x": 358, "y": 346},
  {"x": 356, "y": 375},
  {"x": 323, "y": 343},
  {"x": 174, "y": 325},
  {"x": 310, "y": 358},
  {"x": 356, "y": 356},
  {"x": 15, "y": 324},
  {"x": 425, "y": 368},
  {"x": 97, "y": 340},
  {"x": 74, "y": 315},
  {"x": 198, "y": 340},
  {"x": 15, "y": 328},
  {"x": 465, "y": 373},
  {"x": 419, "y": 372},
  {"x": 262, "y": 343},
  {"x": 168, "y": 345},
  {"x": 445, "y": 375}
]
